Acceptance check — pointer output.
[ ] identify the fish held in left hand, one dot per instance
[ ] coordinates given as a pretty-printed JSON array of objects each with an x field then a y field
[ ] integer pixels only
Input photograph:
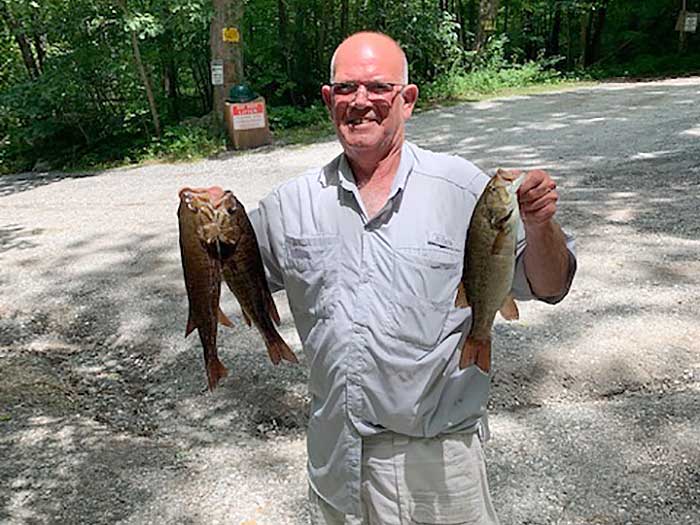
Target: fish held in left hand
[
  {"x": 202, "y": 271},
  {"x": 489, "y": 266}
]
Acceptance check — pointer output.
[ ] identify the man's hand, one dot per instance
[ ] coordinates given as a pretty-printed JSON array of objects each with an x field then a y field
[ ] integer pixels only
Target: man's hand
[
  {"x": 546, "y": 256},
  {"x": 537, "y": 197}
]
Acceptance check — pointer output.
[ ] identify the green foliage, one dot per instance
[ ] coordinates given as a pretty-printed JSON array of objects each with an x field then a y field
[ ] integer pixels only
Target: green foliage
[
  {"x": 184, "y": 142},
  {"x": 82, "y": 101},
  {"x": 490, "y": 73}
]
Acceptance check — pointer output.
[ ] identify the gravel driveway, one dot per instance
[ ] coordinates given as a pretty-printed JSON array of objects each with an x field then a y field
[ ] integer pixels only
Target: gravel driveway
[{"x": 595, "y": 402}]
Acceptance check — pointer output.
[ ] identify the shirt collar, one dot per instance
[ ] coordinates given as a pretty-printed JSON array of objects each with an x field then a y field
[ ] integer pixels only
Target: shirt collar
[{"x": 346, "y": 177}]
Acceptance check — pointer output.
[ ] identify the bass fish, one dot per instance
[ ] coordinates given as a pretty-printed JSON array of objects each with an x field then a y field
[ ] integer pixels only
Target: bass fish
[
  {"x": 202, "y": 269},
  {"x": 489, "y": 266},
  {"x": 244, "y": 274}
]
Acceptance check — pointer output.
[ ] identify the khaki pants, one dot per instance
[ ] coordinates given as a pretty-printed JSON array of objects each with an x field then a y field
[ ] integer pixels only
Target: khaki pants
[{"x": 410, "y": 481}]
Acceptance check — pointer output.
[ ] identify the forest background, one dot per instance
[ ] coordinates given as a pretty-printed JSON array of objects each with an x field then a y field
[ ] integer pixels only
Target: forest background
[{"x": 86, "y": 84}]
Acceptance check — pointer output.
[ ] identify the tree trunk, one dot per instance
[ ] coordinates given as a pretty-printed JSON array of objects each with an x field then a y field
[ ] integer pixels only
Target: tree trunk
[
  {"x": 285, "y": 47},
  {"x": 170, "y": 74},
  {"x": 553, "y": 40},
  {"x": 146, "y": 83},
  {"x": 142, "y": 72},
  {"x": 33, "y": 69},
  {"x": 344, "y": 18},
  {"x": 200, "y": 74},
  {"x": 569, "y": 41},
  {"x": 488, "y": 10},
  {"x": 529, "y": 29},
  {"x": 461, "y": 22},
  {"x": 227, "y": 14},
  {"x": 597, "y": 33},
  {"x": 40, "y": 53},
  {"x": 585, "y": 25},
  {"x": 321, "y": 42}
]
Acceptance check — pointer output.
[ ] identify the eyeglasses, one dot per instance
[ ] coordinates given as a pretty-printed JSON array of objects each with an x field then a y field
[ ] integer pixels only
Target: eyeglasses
[{"x": 374, "y": 89}]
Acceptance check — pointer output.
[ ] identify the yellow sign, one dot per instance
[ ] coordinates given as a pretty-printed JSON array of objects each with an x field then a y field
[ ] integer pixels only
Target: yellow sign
[{"x": 231, "y": 34}]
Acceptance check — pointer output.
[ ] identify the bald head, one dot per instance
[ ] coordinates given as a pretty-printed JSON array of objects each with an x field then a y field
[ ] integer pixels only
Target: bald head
[{"x": 367, "y": 44}]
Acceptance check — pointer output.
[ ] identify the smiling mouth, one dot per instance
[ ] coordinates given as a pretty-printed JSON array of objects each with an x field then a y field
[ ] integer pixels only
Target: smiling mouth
[{"x": 359, "y": 121}]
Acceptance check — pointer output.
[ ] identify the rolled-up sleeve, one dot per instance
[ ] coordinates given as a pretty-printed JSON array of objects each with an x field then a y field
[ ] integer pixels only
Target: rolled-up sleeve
[
  {"x": 521, "y": 288},
  {"x": 266, "y": 220}
]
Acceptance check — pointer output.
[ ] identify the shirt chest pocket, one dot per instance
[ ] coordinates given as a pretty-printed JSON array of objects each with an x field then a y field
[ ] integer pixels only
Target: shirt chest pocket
[
  {"x": 312, "y": 274},
  {"x": 424, "y": 282}
]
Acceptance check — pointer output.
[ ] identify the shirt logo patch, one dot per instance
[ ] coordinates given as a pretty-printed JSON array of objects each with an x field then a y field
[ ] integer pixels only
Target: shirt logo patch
[{"x": 441, "y": 240}]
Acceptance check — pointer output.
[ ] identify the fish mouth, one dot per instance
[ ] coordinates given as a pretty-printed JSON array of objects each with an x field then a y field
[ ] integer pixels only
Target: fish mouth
[
  {"x": 206, "y": 200},
  {"x": 514, "y": 177}
]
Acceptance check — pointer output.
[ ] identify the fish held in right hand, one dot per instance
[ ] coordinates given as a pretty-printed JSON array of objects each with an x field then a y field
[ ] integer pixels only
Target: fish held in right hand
[{"x": 489, "y": 266}]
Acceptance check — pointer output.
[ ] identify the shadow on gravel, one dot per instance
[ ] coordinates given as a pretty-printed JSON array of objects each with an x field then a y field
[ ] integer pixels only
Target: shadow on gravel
[
  {"x": 95, "y": 401},
  {"x": 17, "y": 183},
  {"x": 16, "y": 237},
  {"x": 649, "y": 182},
  {"x": 631, "y": 460}
]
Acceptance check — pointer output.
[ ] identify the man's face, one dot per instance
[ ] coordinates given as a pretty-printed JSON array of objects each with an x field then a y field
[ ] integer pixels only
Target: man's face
[{"x": 368, "y": 102}]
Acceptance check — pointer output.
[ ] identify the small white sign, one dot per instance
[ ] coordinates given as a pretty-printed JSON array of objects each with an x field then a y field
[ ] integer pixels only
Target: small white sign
[
  {"x": 217, "y": 72},
  {"x": 691, "y": 22},
  {"x": 248, "y": 116}
]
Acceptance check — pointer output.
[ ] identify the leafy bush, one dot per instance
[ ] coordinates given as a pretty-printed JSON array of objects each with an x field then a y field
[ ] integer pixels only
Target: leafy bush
[
  {"x": 490, "y": 72},
  {"x": 184, "y": 142}
]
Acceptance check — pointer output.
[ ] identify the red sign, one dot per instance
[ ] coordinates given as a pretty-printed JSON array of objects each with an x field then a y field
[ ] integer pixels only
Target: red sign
[
  {"x": 248, "y": 116},
  {"x": 248, "y": 109}
]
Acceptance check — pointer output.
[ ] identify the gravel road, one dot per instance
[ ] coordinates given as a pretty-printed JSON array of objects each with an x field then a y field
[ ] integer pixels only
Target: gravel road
[{"x": 595, "y": 402}]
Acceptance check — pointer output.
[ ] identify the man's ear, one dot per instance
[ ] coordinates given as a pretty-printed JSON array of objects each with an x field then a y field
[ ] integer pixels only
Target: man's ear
[
  {"x": 410, "y": 97},
  {"x": 326, "y": 95}
]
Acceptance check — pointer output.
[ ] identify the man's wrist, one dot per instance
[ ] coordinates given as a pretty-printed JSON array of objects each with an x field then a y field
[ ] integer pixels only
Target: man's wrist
[{"x": 539, "y": 229}]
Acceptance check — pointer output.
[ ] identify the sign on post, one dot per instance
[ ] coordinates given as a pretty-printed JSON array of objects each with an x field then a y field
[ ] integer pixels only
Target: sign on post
[
  {"x": 217, "y": 72},
  {"x": 231, "y": 34},
  {"x": 248, "y": 116},
  {"x": 687, "y": 22}
]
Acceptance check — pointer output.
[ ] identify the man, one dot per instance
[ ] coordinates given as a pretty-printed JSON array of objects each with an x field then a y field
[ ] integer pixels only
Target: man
[{"x": 369, "y": 249}]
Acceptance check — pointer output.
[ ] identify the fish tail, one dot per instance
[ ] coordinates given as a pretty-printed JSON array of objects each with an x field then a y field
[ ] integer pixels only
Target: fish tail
[
  {"x": 278, "y": 349},
  {"x": 476, "y": 351},
  {"x": 215, "y": 371}
]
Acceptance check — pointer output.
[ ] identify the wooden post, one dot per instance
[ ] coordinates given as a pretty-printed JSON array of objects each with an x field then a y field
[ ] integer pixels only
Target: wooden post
[
  {"x": 226, "y": 50},
  {"x": 681, "y": 33}
]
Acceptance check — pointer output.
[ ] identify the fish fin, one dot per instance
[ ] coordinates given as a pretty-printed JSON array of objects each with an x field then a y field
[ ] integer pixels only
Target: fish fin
[
  {"x": 509, "y": 310},
  {"x": 190, "y": 326},
  {"x": 272, "y": 309},
  {"x": 245, "y": 317},
  {"x": 498, "y": 242},
  {"x": 224, "y": 320},
  {"x": 278, "y": 349},
  {"x": 476, "y": 351},
  {"x": 461, "y": 301},
  {"x": 215, "y": 372}
]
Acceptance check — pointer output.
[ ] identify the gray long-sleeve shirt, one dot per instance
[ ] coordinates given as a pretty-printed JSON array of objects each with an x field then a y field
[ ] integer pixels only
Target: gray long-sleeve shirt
[{"x": 373, "y": 302}]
